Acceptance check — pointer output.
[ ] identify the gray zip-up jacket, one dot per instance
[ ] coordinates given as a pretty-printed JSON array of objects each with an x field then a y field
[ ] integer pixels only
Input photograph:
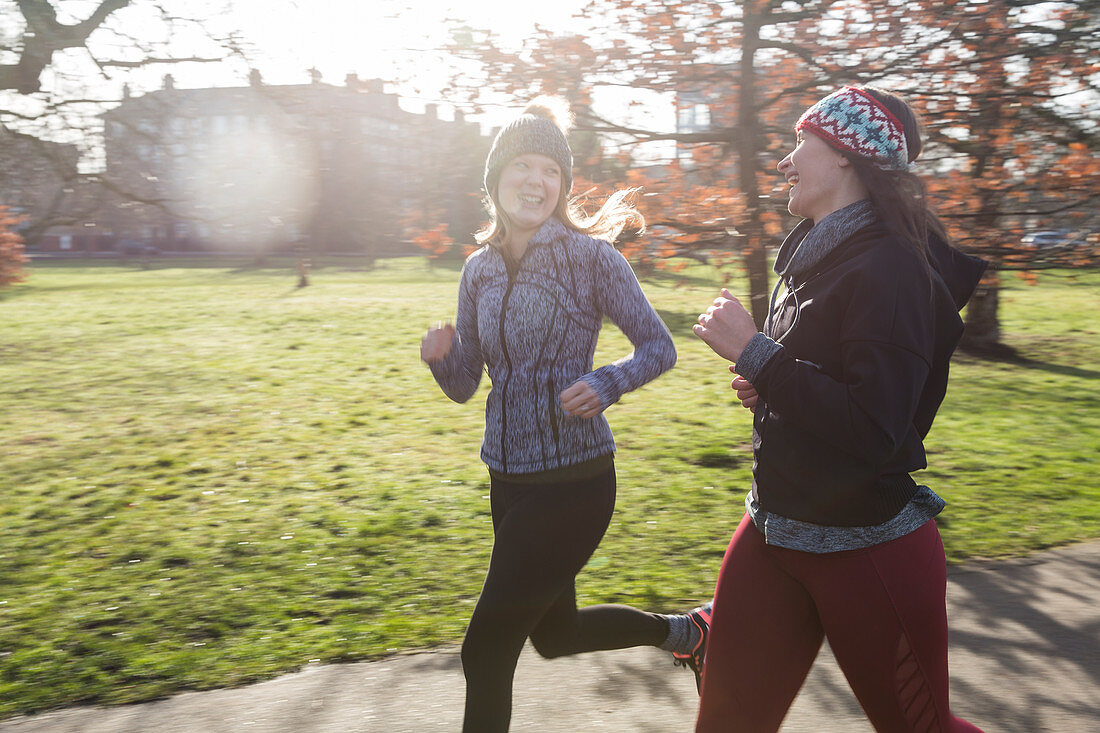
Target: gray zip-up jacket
[{"x": 535, "y": 329}]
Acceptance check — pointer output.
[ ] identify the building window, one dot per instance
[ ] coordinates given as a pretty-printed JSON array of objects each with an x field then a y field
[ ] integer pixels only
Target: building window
[
  {"x": 686, "y": 118},
  {"x": 702, "y": 115}
]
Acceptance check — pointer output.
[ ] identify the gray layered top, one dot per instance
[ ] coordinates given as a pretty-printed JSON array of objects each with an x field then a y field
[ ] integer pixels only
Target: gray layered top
[{"x": 536, "y": 333}]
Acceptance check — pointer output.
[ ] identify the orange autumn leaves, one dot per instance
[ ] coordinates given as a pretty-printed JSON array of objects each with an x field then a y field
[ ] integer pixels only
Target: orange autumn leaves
[{"x": 12, "y": 256}]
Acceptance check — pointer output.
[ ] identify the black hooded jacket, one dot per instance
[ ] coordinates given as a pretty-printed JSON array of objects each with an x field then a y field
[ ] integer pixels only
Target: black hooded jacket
[{"x": 867, "y": 336}]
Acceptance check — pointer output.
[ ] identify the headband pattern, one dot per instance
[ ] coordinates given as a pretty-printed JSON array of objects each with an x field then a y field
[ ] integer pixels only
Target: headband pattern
[{"x": 856, "y": 122}]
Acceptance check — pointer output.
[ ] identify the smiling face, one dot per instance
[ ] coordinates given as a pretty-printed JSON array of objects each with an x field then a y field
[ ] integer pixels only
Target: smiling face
[
  {"x": 528, "y": 192},
  {"x": 821, "y": 178}
]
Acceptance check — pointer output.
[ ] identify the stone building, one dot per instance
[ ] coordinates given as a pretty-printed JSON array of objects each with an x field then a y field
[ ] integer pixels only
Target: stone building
[
  {"x": 42, "y": 187},
  {"x": 311, "y": 168}
]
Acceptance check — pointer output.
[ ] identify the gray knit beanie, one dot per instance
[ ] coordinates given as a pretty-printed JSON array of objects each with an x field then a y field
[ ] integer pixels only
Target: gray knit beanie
[{"x": 539, "y": 129}]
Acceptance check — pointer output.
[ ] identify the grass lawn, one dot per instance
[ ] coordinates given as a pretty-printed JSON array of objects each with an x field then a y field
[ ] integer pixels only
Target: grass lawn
[{"x": 209, "y": 476}]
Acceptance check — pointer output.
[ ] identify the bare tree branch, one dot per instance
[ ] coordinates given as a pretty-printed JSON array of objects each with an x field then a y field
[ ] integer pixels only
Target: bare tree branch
[{"x": 44, "y": 36}]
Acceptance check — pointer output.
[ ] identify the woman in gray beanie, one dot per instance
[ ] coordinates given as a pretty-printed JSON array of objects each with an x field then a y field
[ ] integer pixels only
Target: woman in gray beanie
[{"x": 530, "y": 306}]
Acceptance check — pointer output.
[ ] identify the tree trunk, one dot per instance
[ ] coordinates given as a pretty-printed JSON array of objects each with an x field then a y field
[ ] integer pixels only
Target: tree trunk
[
  {"x": 983, "y": 326},
  {"x": 755, "y": 255}
]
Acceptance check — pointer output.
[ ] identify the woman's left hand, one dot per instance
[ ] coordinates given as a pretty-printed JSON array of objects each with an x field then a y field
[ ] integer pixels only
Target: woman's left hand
[
  {"x": 745, "y": 391},
  {"x": 580, "y": 400},
  {"x": 726, "y": 327}
]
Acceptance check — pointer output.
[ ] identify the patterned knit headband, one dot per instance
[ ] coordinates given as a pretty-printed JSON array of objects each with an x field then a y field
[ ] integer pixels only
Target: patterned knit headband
[
  {"x": 856, "y": 122},
  {"x": 531, "y": 132}
]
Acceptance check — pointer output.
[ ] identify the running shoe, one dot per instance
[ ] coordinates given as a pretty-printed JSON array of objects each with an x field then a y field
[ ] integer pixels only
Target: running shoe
[{"x": 694, "y": 659}]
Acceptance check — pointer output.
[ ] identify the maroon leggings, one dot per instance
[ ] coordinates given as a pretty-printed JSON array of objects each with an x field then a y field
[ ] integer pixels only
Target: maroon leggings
[{"x": 882, "y": 609}]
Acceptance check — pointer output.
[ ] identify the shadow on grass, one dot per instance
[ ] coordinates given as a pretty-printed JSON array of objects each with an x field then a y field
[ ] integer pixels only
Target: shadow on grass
[
  {"x": 275, "y": 266},
  {"x": 1068, "y": 371},
  {"x": 1004, "y": 354},
  {"x": 679, "y": 323}
]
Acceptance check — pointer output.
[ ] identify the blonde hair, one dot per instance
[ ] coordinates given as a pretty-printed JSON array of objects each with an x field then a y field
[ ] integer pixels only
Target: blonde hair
[{"x": 607, "y": 223}]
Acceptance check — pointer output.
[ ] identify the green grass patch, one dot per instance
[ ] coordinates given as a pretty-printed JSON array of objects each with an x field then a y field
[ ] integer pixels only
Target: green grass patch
[{"x": 209, "y": 476}]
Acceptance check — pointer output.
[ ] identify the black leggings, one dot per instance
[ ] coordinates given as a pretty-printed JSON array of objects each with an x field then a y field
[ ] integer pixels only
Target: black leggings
[{"x": 544, "y": 534}]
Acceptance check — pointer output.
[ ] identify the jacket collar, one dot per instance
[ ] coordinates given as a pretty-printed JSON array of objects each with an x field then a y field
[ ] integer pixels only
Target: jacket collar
[
  {"x": 551, "y": 230},
  {"x": 811, "y": 242},
  {"x": 808, "y": 244}
]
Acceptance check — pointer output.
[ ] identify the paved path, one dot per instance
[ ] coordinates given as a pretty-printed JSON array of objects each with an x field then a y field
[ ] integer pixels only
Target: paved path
[{"x": 1025, "y": 657}]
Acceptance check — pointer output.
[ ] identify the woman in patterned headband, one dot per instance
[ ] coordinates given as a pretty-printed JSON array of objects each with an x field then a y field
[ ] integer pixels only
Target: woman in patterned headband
[
  {"x": 838, "y": 540},
  {"x": 530, "y": 306}
]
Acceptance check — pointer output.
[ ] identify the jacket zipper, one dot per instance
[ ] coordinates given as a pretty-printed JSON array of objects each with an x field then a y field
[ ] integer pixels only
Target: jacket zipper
[
  {"x": 512, "y": 273},
  {"x": 552, "y": 407}
]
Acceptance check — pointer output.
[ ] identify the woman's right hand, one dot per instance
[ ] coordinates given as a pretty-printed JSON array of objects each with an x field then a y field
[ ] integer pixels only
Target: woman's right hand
[
  {"x": 745, "y": 392},
  {"x": 436, "y": 344}
]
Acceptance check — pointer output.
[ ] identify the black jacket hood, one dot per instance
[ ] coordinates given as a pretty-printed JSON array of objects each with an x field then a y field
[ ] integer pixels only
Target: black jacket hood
[{"x": 959, "y": 271}]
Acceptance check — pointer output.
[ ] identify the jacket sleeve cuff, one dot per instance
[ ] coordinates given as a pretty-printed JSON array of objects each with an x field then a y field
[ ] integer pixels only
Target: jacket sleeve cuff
[
  {"x": 759, "y": 351},
  {"x": 448, "y": 369},
  {"x": 603, "y": 381}
]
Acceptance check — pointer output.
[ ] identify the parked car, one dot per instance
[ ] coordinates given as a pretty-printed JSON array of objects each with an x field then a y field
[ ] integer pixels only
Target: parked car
[
  {"x": 1047, "y": 239},
  {"x": 130, "y": 247}
]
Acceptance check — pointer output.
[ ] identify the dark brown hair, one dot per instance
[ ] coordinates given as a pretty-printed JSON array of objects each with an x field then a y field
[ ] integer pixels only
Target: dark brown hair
[{"x": 899, "y": 196}]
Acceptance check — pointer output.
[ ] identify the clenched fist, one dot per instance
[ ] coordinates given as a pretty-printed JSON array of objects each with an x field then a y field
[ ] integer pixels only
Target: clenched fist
[
  {"x": 580, "y": 400},
  {"x": 745, "y": 392},
  {"x": 726, "y": 327},
  {"x": 436, "y": 344}
]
